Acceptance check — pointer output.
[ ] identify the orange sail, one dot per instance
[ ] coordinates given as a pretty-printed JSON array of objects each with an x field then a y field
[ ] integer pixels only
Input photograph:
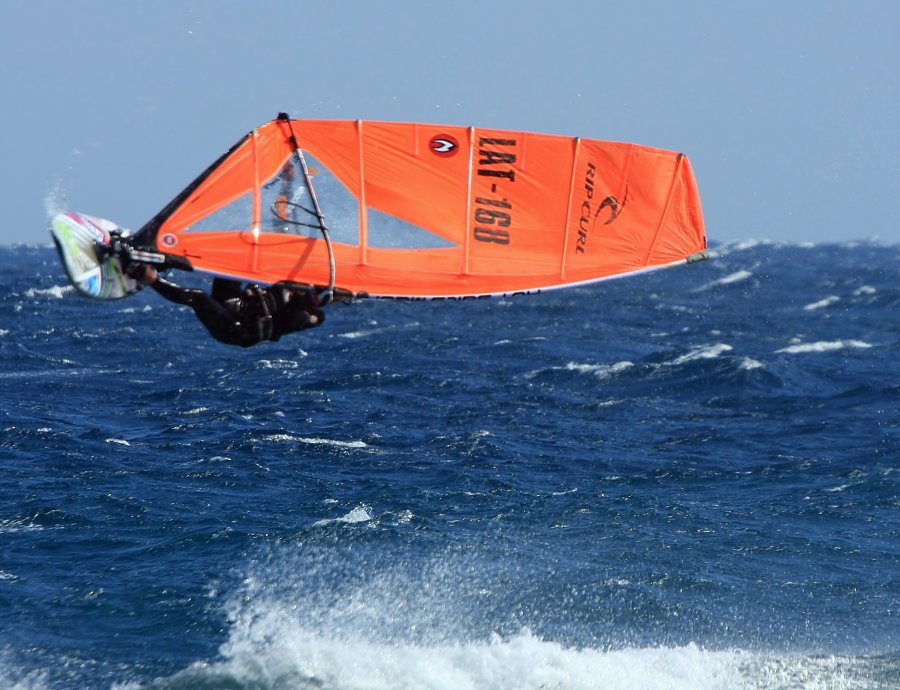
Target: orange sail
[{"x": 419, "y": 210}]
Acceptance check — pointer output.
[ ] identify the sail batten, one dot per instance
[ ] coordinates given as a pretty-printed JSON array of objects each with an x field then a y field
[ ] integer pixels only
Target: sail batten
[
  {"x": 470, "y": 132},
  {"x": 571, "y": 197},
  {"x": 430, "y": 211},
  {"x": 363, "y": 217}
]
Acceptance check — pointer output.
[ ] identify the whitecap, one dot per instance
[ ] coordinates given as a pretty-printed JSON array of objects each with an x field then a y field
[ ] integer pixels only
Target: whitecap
[
  {"x": 826, "y": 302},
  {"x": 279, "y": 438},
  {"x": 331, "y": 442},
  {"x": 57, "y": 291},
  {"x": 283, "y": 654},
  {"x": 355, "y": 334},
  {"x": 702, "y": 352},
  {"x": 278, "y": 364},
  {"x": 742, "y": 245},
  {"x": 736, "y": 277},
  {"x": 601, "y": 371},
  {"x": 361, "y": 513},
  {"x": 17, "y": 525},
  {"x": 749, "y": 364},
  {"x": 12, "y": 678},
  {"x": 377, "y": 329},
  {"x": 824, "y": 346},
  {"x": 119, "y": 441},
  {"x": 404, "y": 517}
]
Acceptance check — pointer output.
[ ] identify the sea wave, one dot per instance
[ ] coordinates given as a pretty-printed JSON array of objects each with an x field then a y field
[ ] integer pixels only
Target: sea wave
[
  {"x": 56, "y": 292},
  {"x": 290, "y": 656},
  {"x": 601, "y": 371},
  {"x": 361, "y": 513},
  {"x": 825, "y": 346},
  {"x": 702, "y": 352},
  {"x": 822, "y": 303},
  {"x": 735, "y": 277},
  {"x": 12, "y": 678}
]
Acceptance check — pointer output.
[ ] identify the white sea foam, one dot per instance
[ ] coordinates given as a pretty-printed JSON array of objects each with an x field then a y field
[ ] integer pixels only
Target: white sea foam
[
  {"x": 57, "y": 291},
  {"x": 702, "y": 352},
  {"x": 13, "y": 679},
  {"x": 361, "y": 513},
  {"x": 822, "y": 303},
  {"x": 293, "y": 625},
  {"x": 274, "y": 644},
  {"x": 278, "y": 654},
  {"x": 355, "y": 334},
  {"x": 376, "y": 329},
  {"x": 331, "y": 442},
  {"x": 279, "y": 438},
  {"x": 278, "y": 364},
  {"x": 17, "y": 525},
  {"x": 312, "y": 441},
  {"x": 864, "y": 290},
  {"x": 742, "y": 245},
  {"x": 824, "y": 346},
  {"x": 601, "y": 371},
  {"x": 731, "y": 278}
]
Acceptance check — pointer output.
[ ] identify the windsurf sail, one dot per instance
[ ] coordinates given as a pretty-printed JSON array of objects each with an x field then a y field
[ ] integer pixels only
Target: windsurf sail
[{"x": 412, "y": 210}]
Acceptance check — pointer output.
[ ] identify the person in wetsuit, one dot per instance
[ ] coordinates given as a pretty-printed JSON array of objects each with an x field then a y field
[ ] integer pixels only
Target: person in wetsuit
[{"x": 237, "y": 316}]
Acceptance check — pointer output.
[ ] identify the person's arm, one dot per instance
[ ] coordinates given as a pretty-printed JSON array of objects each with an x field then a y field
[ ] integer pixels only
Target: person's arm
[{"x": 171, "y": 291}]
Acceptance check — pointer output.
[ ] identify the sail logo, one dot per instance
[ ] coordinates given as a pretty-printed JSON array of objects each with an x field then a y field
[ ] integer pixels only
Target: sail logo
[
  {"x": 444, "y": 145},
  {"x": 586, "y": 223}
]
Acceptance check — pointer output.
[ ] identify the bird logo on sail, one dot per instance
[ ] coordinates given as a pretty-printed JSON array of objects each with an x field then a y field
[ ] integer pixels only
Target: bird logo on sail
[{"x": 444, "y": 145}]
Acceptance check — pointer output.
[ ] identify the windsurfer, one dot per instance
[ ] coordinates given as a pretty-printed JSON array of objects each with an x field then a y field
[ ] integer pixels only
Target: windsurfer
[{"x": 237, "y": 316}]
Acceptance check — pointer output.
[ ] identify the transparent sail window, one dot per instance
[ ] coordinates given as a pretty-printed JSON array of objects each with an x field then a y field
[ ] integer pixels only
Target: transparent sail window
[
  {"x": 389, "y": 232},
  {"x": 287, "y": 205},
  {"x": 237, "y": 215}
]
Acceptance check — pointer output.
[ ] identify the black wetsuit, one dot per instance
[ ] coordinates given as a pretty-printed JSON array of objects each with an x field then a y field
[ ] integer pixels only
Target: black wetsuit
[{"x": 246, "y": 317}]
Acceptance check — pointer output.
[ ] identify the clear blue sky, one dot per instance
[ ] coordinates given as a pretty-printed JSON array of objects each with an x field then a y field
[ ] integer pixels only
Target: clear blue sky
[{"x": 789, "y": 111}]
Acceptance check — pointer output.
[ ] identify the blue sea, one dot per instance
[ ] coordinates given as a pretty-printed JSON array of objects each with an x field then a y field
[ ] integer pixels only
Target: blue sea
[{"x": 684, "y": 480}]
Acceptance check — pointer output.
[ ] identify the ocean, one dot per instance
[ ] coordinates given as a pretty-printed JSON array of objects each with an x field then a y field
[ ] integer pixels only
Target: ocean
[{"x": 683, "y": 480}]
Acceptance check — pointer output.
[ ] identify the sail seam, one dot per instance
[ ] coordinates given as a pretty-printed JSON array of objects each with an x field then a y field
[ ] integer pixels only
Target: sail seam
[
  {"x": 363, "y": 209},
  {"x": 565, "y": 247},
  {"x": 467, "y": 241},
  {"x": 255, "y": 210}
]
